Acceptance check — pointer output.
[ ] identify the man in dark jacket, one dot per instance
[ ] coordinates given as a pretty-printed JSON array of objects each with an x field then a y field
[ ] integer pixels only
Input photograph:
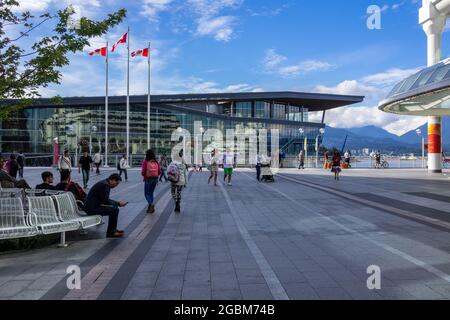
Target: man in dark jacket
[
  {"x": 21, "y": 162},
  {"x": 47, "y": 181},
  {"x": 98, "y": 203}
]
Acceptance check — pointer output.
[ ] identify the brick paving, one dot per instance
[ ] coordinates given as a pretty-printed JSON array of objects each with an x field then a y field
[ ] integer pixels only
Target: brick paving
[{"x": 304, "y": 237}]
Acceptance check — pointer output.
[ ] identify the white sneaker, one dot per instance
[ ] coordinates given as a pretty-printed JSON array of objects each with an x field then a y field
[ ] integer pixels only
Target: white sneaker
[{"x": 229, "y": 184}]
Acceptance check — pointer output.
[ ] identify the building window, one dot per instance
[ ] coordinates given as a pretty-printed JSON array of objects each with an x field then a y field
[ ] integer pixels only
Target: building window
[
  {"x": 279, "y": 111},
  {"x": 262, "y": 109},
  {"x": 293, "y": 113},
  {"x": 243, "y": 109}
]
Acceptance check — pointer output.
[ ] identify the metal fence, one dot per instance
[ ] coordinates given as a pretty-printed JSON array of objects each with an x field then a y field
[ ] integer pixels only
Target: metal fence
[{"x": 362, "y": 162}]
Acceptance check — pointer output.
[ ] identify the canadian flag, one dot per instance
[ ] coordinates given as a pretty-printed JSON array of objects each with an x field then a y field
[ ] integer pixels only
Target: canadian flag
[
  {"x": 123, "y": 39},
  {"x": 101, "y": 51},
  {"x": 140, "y": 53}
]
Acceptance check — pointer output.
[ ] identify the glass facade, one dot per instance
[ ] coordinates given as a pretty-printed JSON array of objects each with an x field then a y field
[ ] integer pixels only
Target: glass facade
[
  {"x": 243, "y": 109},
  {"x": 262, "y": 109},
  {"x": 33, "y": 129}
]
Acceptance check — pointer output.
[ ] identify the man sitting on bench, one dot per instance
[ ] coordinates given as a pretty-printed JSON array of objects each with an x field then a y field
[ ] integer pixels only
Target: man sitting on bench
[
  {"x": 99, "y": 203},
  {"x": 6, "y": 181},
  {"x": 47, "y": 181}
]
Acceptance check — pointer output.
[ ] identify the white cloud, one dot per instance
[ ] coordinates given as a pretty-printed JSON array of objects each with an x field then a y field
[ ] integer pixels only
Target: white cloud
[
  {"x": 221, "y": 28},
  {"x": 265, "y": 12},
  {"x": 272, "y": 63},
  {"x": 305, "y": 67},
  {"x": 353, "y": 87},
  {"x": 211, "y": 22},
  {"x": 355, "y": 117},
  {"x": 152, "y": 8},
  {"x": 389, "y": 77},
  {"x": 32, "y": 5},
  {"x": 374, "y": 87},
  {"x": 85, "y": 8},
  {"x": 272, "y": 59}
]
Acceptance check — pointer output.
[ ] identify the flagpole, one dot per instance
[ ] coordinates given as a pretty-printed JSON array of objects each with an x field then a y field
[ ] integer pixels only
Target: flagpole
[
  {"x": 128, "y": 97},
  {"x": 148, "y": 100},
  {"x": 106, "y": 106}
]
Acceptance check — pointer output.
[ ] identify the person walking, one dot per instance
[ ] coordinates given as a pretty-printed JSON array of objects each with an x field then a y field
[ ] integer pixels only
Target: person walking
[
  {"x": 258, "y": 166},
  {"x": 21, "y": 162},
  {"x": 336, "y": 166},
  {"x": 213, "y": 167},
  {"x": 228, "y": 165},
  {"x": 301, "y": 160},
  {"x": 347, "y": 158},
  {"x": 13, "y": 166},
  {"x": 177, "y": 173},
  {"x": 123, "y": 167},
  {"x": 97, "y": 162},
  {"x": 378, "y": 160},
  {"x": 326, "y": 156},
  {"x": 64, "y": 163},
  {"x": 151, "y": 171},
  {"x": 98, "y": 202},
  {"x": 85, "y": 166},
  {"x": 163, "y": 165}
]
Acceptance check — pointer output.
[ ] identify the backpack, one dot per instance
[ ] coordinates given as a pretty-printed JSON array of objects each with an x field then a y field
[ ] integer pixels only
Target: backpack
[
  {"x": 173, "y": 173},
  {"x": 152, "y": 169}
]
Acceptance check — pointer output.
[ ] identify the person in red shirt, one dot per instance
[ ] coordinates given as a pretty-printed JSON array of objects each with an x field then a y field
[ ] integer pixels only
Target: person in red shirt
[{"x": 151, "y": 171}]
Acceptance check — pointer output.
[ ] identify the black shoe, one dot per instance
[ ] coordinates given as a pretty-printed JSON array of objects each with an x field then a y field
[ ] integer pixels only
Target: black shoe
[{"x": 115, "y": 235}]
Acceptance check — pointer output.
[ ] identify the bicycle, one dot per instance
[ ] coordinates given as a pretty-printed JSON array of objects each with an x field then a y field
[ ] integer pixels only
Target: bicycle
[{"x": 382, "y": 165}]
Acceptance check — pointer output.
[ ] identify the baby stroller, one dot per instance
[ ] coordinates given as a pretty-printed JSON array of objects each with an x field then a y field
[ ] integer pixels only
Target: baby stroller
[{"x": 267, "y": 175}]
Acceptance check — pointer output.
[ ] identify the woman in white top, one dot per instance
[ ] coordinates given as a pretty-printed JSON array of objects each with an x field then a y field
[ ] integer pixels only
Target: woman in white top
[
  {"x": 97, "y": 162},
  {"x": 123, "y": 166},
  {"x": 65, "y": 163}
]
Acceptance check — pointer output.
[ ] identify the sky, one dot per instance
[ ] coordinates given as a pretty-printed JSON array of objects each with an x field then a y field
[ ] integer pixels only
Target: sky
[{"x": 202, "y": 46}]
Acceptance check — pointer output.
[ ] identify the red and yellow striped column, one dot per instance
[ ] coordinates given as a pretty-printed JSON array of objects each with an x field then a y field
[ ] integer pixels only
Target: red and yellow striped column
[{"x": 435, "y": 144}]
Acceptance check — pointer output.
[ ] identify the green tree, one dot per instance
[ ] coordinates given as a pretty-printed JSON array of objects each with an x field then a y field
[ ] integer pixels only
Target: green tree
[{"x": 26, "y": 68}]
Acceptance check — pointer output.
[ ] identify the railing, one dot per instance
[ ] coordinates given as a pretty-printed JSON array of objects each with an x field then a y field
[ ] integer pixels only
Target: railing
[
  {"x": 135, "y": 161},
  {"x": 363, "y": 162}
]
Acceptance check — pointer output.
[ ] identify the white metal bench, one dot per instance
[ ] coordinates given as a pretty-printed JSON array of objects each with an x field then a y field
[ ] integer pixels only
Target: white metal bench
[
  {"x": 10, "y": 192},
  {"x": 68, "y": 211},
  {"x": 46, "y": 218},
  {"x": 13, "y": 223}
]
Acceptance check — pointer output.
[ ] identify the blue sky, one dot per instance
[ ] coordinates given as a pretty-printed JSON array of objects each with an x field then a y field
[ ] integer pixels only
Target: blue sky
[{"x": 256, "y": 45}]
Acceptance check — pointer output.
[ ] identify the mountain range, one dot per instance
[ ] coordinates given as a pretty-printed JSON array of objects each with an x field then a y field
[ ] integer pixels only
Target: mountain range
[{"x": 375, "y": 138}]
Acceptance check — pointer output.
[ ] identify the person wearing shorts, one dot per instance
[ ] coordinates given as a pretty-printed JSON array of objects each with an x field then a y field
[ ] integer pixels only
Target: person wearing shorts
[{"x": 228, "y": 164}]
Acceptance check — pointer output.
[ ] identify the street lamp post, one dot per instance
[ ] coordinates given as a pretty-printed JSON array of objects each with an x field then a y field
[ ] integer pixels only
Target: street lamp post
[
  {"x": 321, "y": 133},
  {"x": 419, "y": 133}
]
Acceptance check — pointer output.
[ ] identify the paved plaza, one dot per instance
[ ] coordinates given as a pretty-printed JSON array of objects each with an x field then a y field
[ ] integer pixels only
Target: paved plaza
[{"x": 306, "y": 236}]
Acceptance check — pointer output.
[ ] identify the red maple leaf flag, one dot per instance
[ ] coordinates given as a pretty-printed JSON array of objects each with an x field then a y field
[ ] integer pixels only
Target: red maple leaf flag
[
  {"x": 123, "y": 39},
  {"x": 140, "y": 53},
  {"x": 100, "y": 51}
]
